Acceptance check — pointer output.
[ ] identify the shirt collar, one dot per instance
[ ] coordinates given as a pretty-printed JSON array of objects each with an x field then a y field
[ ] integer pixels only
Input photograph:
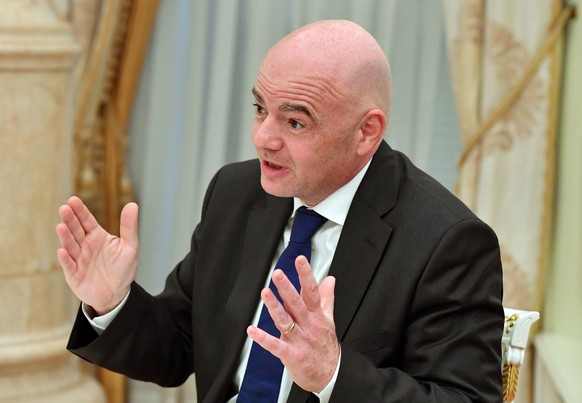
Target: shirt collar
[{"x": 335, "y": 207}]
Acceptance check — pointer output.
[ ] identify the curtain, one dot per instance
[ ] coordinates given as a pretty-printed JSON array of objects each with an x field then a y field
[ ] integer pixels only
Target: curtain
[
  {"x": 193, "y": 112},
  {"x": 505, "y": 62}
]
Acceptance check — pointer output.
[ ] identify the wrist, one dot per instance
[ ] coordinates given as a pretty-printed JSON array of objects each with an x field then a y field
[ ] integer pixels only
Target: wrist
[
  {"x": 325, "y": 394},
  {"x": 104, "y": 310}
]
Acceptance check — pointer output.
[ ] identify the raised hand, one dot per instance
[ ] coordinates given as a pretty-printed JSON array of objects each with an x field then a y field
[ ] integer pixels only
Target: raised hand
[
  {"x": 99, "y": 267},
  {"x": 308, "y": 346}
]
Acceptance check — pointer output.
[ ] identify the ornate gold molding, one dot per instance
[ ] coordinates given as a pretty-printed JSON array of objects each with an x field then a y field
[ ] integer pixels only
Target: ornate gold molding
[{"x": 108, "y": 83}]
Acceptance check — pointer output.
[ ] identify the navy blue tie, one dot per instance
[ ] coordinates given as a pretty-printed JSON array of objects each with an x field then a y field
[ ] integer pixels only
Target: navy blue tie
[{"x": 262, "y": 379}]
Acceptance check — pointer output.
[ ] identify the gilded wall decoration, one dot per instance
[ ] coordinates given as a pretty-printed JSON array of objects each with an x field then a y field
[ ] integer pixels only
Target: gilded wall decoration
[{"x": 107, "y": 82}]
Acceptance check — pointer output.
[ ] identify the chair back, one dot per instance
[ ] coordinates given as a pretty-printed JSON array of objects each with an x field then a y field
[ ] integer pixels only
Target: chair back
[{"x": 513, "y": 343}]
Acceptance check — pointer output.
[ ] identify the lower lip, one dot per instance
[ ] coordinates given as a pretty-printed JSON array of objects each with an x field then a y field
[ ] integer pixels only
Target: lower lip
[{"x": 269, "y": 171}]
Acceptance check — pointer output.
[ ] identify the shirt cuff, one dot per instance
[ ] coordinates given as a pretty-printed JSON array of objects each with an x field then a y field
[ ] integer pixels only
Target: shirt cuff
[
  {"x": 100, "y": 323},
  {"x": 325, "y": 394}
]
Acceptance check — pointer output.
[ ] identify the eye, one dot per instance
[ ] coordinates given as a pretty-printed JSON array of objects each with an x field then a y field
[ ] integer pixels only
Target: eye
[
  {"x": 259, "y": 110},
  {"x": 295, "y": 124}
]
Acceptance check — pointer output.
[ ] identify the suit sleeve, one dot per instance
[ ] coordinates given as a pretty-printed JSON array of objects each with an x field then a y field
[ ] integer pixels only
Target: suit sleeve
[
  {"x": 151, "y": 337},
  {"x": 137, "y": 342},
  {"x": 451, "y": 349}
]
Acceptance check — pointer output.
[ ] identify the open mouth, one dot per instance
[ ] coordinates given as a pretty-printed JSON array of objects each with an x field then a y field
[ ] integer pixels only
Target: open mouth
[{"x": 273, "y": 165}]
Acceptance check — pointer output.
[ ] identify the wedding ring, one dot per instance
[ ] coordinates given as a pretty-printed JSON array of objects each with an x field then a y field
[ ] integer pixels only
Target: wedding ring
[{"x": 290, "y": 328}]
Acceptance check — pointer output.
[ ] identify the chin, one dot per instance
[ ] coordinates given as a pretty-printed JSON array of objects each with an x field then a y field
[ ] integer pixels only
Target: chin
[{"x": 276, "y": 189}]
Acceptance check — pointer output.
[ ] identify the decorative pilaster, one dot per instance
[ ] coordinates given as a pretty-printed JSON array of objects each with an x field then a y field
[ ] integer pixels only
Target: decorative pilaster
[{"x": 38, "y": 58}]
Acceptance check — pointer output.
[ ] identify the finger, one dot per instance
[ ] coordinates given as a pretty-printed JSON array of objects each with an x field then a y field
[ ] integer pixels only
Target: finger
[
  {"x": 69, "y": 218},
  {"x": 283, "y": 321},
  {"x": 292, "y": 301},
  {"x": 67, "y": 263},
  {"x": 272, "y": 344},
  {"x": 86, "y": 219},
  {"x": 128, "y": 224},
  {"x": 309, "y": 287},
  {"x": 68, "y": 241},
  {"x": 327, "y": 292}
]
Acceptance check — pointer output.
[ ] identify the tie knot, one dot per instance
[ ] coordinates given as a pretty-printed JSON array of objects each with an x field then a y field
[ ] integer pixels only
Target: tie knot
[{"x": 305, "y": 224}]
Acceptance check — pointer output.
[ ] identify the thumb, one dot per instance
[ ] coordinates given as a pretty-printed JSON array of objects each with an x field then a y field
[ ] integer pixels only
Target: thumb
[
  {"x": 326, "y": 290},
  {"x": 128, "y": 224}
]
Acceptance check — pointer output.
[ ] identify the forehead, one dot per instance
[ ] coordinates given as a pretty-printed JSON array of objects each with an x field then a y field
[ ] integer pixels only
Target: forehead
[
  {"x": 315, "y": 91},
  {"x": 288, "y": 106}
]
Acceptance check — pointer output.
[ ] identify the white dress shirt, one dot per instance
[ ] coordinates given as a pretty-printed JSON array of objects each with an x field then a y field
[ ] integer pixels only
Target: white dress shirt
[{"x": 324, "y": 242}]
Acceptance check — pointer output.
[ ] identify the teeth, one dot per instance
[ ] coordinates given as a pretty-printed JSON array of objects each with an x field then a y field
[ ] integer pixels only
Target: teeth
[{"x": 273, "y": 165}]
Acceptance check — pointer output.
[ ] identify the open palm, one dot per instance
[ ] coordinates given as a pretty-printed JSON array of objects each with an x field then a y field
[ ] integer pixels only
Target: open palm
[{"x": 99, "y": 267}]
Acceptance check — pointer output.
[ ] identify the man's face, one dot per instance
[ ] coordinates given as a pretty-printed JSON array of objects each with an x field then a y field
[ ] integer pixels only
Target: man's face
[{"x": 305, "y": 133}]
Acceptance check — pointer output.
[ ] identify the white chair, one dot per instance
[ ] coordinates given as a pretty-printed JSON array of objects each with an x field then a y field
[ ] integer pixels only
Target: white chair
[{"x": 514, "y": 342}]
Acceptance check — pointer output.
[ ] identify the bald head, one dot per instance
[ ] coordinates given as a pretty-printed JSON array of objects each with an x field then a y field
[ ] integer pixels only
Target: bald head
[
  {"x": 322, "y": 101},
  {"x": 348, "y": 60}
]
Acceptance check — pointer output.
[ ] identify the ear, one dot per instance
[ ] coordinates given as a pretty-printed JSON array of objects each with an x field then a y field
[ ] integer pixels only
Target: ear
[{"x": 371, "y": 132}]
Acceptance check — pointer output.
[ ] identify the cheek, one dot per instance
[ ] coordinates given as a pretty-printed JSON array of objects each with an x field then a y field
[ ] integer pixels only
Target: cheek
[
  {"x": 336, "y": 157},
  {"x": 315, "y": 162},
  {"x": 254, "y": 130}
]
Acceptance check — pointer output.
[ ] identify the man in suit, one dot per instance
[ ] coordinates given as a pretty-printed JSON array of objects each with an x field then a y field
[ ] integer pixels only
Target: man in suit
[{"x": 401, "y": 301}]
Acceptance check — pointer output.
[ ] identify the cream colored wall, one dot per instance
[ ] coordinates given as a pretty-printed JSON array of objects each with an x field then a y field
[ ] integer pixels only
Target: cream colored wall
[
  {"x": 38, "y": 56},
  {"x": 563, "y": 310}
]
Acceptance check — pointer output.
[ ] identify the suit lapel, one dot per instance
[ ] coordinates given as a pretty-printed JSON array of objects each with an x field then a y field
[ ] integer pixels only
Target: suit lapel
[
  {"x": 262, "y": 234},
  {"x": 359, "y": 250},
  {"x": 355, "y": 261},
  {"x": 364, "y": 237},
  {"x": 362, "y": 243},
  {"x": 297, "y": 395}
]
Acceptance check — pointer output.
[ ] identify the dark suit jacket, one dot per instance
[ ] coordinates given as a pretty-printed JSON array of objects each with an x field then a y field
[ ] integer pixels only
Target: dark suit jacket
[{"x": 417, "y": 306}]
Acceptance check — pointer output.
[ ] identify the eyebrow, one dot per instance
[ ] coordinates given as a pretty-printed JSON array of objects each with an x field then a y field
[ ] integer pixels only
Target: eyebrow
[
  {"x": 287, "y": 106},
  {"x": 257, "y": 95}
]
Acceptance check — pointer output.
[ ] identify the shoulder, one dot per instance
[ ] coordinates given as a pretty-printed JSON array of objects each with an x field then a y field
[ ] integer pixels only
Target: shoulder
[
  {"x": 238, "y": 178},
  {"x": 235, "y": 187},
  {"x": 417, "y": 184},
  {"x": 413, "y": 199},
  {"x": 240, "y": 171}
]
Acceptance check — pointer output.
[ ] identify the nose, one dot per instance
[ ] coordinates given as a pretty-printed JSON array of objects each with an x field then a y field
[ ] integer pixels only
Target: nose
[{"x": 266, "y": 134}]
